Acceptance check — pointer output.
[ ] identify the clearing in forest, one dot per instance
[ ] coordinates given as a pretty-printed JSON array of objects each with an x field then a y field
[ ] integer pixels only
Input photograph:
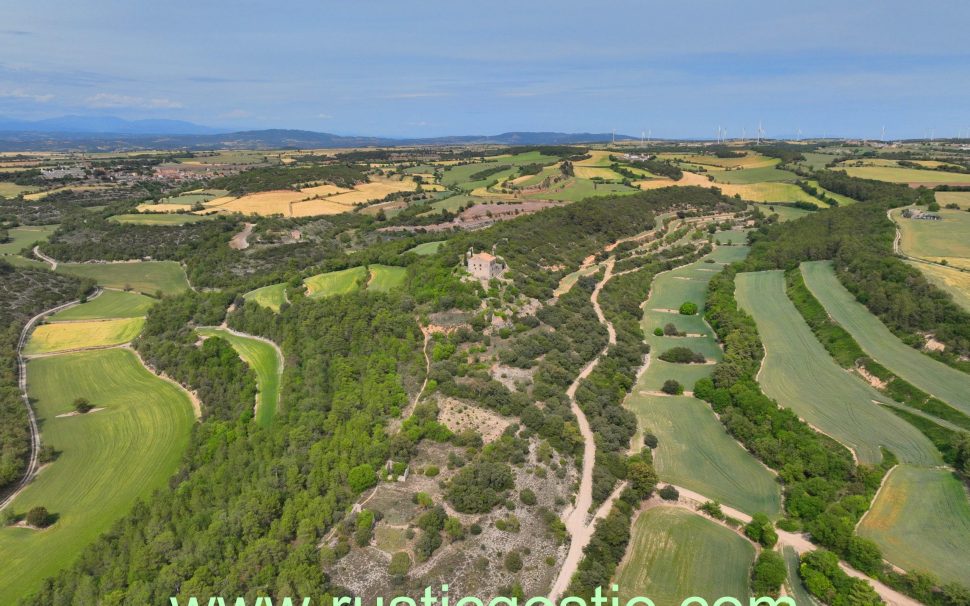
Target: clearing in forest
[
  {"x": 954, "y": 281},
  {"x": 263, "y": 359},
  {"x": 143, "y": 426},
  {"x": 158, "y": 218},
  {"x": 921, "y": 521},
  {"x": 936, "y": 378},
  {"x": 272, "y": 296},
  {"x": 336, "y": 282},
  {"x": 24, "y": 236},
  {"x": 800, "y": 374},
  {"x": 674, "y": 553},
  {"x": 427, "y": 248},
  {"x": 67, "y": 336}
]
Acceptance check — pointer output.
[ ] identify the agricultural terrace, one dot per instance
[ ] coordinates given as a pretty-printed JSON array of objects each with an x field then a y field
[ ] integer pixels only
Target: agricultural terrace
[
  {"x": 143, "y": 425},
  {"x": 272, "y": 296},
  {"x": 799, "y": 374},
  {"x": 68, "y": 336},
  {"x": 921, "y": 521},
  {"x": 753, "y": 175},
  {"x": 23, "y": 237},
  {"x": 785, "y": 213},
  {"x": 693, "y": 449},
  {"x": 336, "y": 282},
  {"x": 936, "y": 378},
  {"x": 373, "y": 277},
  {"x": 895, "y": 174},
  {"x": 263, "y": 359},
  {"x": 159, "y": 219},
  {"x": 937, "y": 241},
  {"x": 674, "y": 553},
  {"x": 109, "y": 304},
  {"x": 385, "y": 277},
  {"x": 148, "y": 277}
]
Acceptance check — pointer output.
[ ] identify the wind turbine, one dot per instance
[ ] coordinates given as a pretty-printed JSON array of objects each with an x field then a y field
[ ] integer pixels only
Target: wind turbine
[
  {"x": 884, "y": 134},
  {"x": 761, "y": 132}
]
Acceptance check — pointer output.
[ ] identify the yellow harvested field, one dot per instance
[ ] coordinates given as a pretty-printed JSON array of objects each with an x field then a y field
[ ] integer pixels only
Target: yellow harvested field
[
  {"x": 752, "y": 160},
  {"x": 312, "y": 208},
  {"x": 148, "y": 207},
  {"x": 327, "y": 189},
  {"x": 264, "y": 203},
  {"x": 375, "y": 190},
  {"x": 591, "y": 172},
  {"x": 688, "y": 179},
  {"x": 66, "y": 336},
  {"x": 960, "y": 198}
]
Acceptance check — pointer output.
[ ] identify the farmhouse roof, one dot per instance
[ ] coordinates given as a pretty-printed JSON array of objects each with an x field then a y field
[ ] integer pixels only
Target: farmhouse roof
[{"x": 483, "y": 256}]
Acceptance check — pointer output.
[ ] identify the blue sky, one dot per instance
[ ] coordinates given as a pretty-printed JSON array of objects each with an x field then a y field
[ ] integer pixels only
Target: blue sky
[{"x": 429, "y": 68}]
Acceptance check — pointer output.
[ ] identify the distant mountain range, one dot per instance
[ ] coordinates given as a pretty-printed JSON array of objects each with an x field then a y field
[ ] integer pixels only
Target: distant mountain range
[{"x": 96, "y": 133}]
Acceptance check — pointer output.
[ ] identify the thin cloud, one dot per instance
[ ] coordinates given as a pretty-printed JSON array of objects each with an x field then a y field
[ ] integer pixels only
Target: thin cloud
[
  {"x": 111, "y": 100},
  {"x": 19, "y": 93}
]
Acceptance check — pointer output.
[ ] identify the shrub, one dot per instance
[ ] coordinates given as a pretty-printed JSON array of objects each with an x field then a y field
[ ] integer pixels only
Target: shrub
[
  {"x": 39, "y": 517},
  {"x": 650, "y": 441},
  {"x": 513, "y": 561},
  {"x": 478, "y": 487},
  {"x": 671, "y": 331},
  {"x": 431, "y": 471},
  {"x": 527, "y": 496},
  {"x": 688, "y": 308},
  {"x": 400, "y": 564},
  {"x": 682, "y": 355},
  {"x": 669, "y": 493},
  {"x": 768, "y": 574},
  {"x": 672, "y": 387},
  {"x": 82, "y": 405},
  {"x": 760, "y": 530},
  {"x": 658, "y": 331},
  {"x": 713, "y": 509},
  {"x": 361, "y": 478}
]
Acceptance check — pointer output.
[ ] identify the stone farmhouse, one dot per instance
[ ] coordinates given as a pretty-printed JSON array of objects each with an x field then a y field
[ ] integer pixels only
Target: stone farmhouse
[{"x": 483, "y": 265}]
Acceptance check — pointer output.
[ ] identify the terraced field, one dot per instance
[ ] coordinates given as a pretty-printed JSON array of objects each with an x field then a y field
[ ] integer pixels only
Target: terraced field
[
  {"x": 799, "y": 373},
  {"x": 694, "y": 450},
  {"x": 67, "y": 336},
  {"x": 674, "y": 554},
  {"x": 24, "y": 236},
  {"x": 272, "y": 296},
  {"x": 109, "y": 304},
  {"x": 144, "y": 426},
  {"x": 936, "y": 378},
  {"x": 148, "y": 277},
  {"x": 385, "y": 277},
  {"x": 960, "y": 198},
  {"x": 921, "y": 520},
  {"x": 336, "y": 282},
  {"x": 785, "y": 213},
  {"x": 263, "y": 359},
  {"x": 753, "y": 175}
]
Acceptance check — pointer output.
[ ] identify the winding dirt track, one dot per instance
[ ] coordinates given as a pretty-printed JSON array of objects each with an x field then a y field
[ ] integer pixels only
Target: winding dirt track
[
  {"x": 50, "y": 261},
  {"x": 579, "y": 529},
  {"x": 34, "y": 463}
]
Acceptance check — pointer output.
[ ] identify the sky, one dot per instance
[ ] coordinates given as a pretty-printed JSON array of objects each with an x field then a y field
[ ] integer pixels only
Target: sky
[{"x": 431, "y": 68}]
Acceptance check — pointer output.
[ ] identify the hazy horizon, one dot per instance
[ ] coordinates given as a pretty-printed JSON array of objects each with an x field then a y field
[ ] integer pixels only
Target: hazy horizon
[{"x": 826, "y": 69}]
